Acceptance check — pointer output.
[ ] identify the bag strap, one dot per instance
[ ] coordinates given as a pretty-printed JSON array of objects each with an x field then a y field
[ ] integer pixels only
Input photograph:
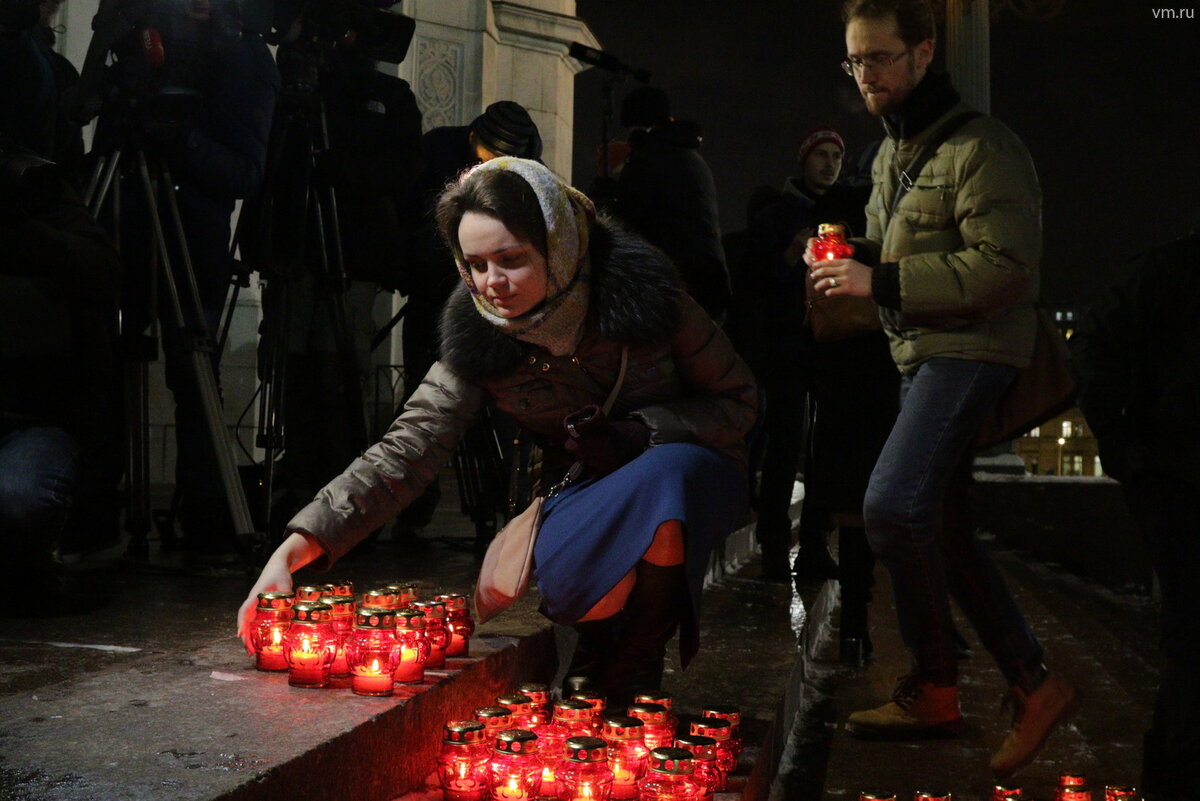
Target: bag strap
[
  {"x": 909, "y": 175},
  {"x": 616, "y": 390},
  {"x": 577, "y": 468}
]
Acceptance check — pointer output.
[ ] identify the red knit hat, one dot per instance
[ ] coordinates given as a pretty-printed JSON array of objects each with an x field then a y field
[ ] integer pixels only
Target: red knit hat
[{"x": 818, "y": 136}]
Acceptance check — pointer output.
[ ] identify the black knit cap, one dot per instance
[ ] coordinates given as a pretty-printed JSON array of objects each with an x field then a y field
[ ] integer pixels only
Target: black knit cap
[
  {"x": 644, "y": 107},
  {"x": 506, "y": 128}
]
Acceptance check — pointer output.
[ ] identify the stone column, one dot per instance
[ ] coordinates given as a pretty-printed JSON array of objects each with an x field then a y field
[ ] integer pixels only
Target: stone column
[{"x": 968, "y": 51}]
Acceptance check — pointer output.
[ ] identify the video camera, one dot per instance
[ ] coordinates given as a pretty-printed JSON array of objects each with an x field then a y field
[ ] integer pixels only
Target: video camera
[{"x": 378, "y": 34}]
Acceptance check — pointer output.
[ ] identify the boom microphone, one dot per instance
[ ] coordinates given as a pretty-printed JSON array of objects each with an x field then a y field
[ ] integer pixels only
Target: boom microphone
[{"x": 605, "y": 61}]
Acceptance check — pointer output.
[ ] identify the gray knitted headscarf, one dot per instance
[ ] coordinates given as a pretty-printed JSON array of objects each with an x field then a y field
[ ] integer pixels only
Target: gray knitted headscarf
[{"x": 557, "y": 323}]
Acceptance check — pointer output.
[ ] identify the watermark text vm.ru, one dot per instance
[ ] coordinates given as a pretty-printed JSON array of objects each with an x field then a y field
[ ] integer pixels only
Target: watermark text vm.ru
[{"x": 1173, "y": 13}]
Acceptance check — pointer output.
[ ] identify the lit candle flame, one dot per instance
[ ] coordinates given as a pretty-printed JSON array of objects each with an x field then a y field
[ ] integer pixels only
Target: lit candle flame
[{"x": 276, "y": 636}]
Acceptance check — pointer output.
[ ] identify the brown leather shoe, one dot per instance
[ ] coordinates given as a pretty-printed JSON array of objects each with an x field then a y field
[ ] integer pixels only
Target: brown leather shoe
[
  {"x": 917, "y": 710},
  {"x": 1036, "y": 715}
]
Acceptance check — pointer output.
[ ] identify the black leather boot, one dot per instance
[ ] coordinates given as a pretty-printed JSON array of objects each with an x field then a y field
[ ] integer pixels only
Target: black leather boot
[
  {"x": 652, "y": 614},
  {"x": 594, "y": 647}
]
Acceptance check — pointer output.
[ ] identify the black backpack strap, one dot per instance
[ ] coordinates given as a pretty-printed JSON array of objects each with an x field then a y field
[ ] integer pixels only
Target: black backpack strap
[{"x": 909, "y": 175}]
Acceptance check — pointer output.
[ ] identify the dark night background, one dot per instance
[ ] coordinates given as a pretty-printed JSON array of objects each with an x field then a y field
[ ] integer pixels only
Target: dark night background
[{"x": 1104, "y": 95}]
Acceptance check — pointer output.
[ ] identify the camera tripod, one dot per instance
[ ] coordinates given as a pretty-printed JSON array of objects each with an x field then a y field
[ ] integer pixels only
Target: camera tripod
[
  {"x": 188, "y": 317},
  {"x": 275, "y": 240}
]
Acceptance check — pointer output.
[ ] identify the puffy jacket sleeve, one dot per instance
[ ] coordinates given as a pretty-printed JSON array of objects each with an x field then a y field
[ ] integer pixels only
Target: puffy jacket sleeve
[
  {"x": 719, "y": 404},
  {"x": 396, "y": 470},
  {"x": 998, "y": 214}
]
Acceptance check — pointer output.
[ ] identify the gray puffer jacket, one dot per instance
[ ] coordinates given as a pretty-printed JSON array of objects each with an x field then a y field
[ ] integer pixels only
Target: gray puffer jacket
[{"x": 684, "y": 381}]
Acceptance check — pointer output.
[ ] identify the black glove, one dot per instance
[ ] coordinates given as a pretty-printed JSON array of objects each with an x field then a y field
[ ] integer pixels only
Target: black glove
[{"x": 602, "y": 445}]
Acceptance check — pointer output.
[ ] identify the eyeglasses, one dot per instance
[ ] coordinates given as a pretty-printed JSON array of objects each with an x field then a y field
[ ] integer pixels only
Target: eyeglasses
[{"x": 874, "y": 61}]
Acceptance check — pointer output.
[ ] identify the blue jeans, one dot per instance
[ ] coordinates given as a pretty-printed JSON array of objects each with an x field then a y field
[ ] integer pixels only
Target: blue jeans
[
  {"x": 37, "y": 478},
  {"x": 918, "y": 523}
]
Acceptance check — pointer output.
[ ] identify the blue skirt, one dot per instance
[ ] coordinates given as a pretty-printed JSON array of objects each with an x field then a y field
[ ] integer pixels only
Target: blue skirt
[{"x": 594, "y": 532}]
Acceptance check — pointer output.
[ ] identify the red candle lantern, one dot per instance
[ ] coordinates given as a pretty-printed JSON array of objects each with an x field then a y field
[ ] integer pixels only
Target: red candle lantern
[
  {"x": 932, "y": 795},
  {"x": 520, "y": 706},
  {"x": 311, "y": 592},
  {"x": 584, "y": 775},
  {"x": 435, "y": 630},
  {"x": 408, "y": 591},
  {"x": 1120, "y": 793},
  {"x": 342, "y": 607},
  {"x": 310, "y": 644},
  {"x": 495, "y": 719},
  {"x": 628, "y": 755},
  {"x": 876, "y": 797},
  {"x": 272, "y": 616},
  {"x": 459, "y": 624},
  {"x": 575, "y": 715},
  {"x": 704, "y": 762},
  {"x": 718, "y": 729},
  {"x": 665, "y": 700},
  {"x": 540, "y": 694},
  {"x": 552, "y": 737},
  {"x": 656, "y": 731},
  {"x": 463, "y": 762},
  {"x": 670, "y": 777},
  {"x": 373, "y": 652},
  {"x": 734, "y": 716},
  {"x": 381, "y": 599},
  {"x": 1073, "y": 787},
  {"x": 515, "y": 773},
  {"x": 596, "y": 701},
  {"x": 340, "y": 587},
  {"x": 414, "y": 646},
  {"x": 1007, "y": 792},
  {"x": 831, "y": 243}
]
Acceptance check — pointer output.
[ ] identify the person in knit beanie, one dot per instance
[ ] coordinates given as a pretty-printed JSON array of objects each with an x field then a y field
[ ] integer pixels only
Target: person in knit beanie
[{"x": 820, "y": 159}]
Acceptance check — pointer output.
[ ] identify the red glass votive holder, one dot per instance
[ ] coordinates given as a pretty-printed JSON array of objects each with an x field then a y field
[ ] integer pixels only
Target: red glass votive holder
[
  {"x": 340, "y": 587},
  {"x": 435, "y": 630},
  {"x": 515, "y": 772},
  {"x": 540, "y": 694},
  {"x": 520, "y": 706},
  {"x": 596, "y": 701},
  {"x": 831, "y": 243},
  {"x": 373, "y": 652},
  {"x": 628, "y": 756},
  {"x": 494, "y": 719},
  {"x": 310, "y": 644},
  {"x": 669, "y": 777},
  {"x": 380, "y": 599},
  {"x": 408, "y": 591},
  {"x": 463, "y": 762},
  {"x": 584, "y": 775},
  {"x": 718, "y": 729},
  {"x": 311, "y": 592},
  {"x": 704, "y": 762},
  {"x": 343, "y": 623},
  {"x": 414, "y": 646},
  {"x": 1007, "y": 792},
  {"x": 655, "y": 731},
  {"x": 272, "y": 617},
  {"x": 576, "y": 716},
  {"x": 734, "y": 716},
  {"x": 459, "y": 625}
]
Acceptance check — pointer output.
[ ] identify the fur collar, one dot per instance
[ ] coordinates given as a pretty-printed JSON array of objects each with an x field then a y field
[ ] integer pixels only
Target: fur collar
[{"x": 634, "y": 300}]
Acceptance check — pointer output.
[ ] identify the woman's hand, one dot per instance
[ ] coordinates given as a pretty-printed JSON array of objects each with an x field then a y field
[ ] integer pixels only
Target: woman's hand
[
  {"x": 842, "y": 277},
  {"x": 292, "y": 554}
]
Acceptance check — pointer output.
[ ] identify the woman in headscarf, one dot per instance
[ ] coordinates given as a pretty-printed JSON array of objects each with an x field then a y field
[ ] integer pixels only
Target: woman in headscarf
[{"x": 550, "y": 297}]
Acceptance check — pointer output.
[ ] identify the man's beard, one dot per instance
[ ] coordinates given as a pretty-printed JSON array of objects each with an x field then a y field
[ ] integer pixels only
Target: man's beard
[{"x": 891, "y": 102}]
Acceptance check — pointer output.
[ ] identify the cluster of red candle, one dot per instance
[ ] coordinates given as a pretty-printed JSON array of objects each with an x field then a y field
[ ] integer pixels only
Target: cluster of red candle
[
  {"x": 522, "y": 750},
  {"x": 390, "y": 636},
  {"x": 1071, "y": 787}
]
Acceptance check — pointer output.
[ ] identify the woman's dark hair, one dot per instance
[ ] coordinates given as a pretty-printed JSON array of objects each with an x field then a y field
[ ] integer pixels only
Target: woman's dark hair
[
  {"x": 498, "y": 193},
  {"x": 914, "y": 18}
]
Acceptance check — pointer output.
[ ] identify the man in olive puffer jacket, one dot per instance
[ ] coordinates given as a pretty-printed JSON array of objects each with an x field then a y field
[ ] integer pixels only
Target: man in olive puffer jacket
[{"x": 954, "y": 269}]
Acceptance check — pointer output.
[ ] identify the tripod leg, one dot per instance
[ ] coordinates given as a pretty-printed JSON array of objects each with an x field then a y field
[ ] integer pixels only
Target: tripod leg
[{"x": 200, "y": 351}]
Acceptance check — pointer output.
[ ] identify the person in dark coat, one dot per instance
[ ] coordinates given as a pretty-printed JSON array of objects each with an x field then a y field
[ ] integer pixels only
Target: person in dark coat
[
  {"x": 779, "y": 233},
  {"x": 60, "y": 420},
  {"x": 67, "y": 150},
  {"x": 1136, "y": 354},
  {"x": 666, "y": 193},
  {"x": 552, "y": 303},
  {"x": 214, "y": 162}
]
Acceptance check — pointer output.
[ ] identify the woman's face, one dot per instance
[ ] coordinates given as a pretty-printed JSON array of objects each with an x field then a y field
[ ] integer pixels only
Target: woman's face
[{"x": 507, "y": 269}]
